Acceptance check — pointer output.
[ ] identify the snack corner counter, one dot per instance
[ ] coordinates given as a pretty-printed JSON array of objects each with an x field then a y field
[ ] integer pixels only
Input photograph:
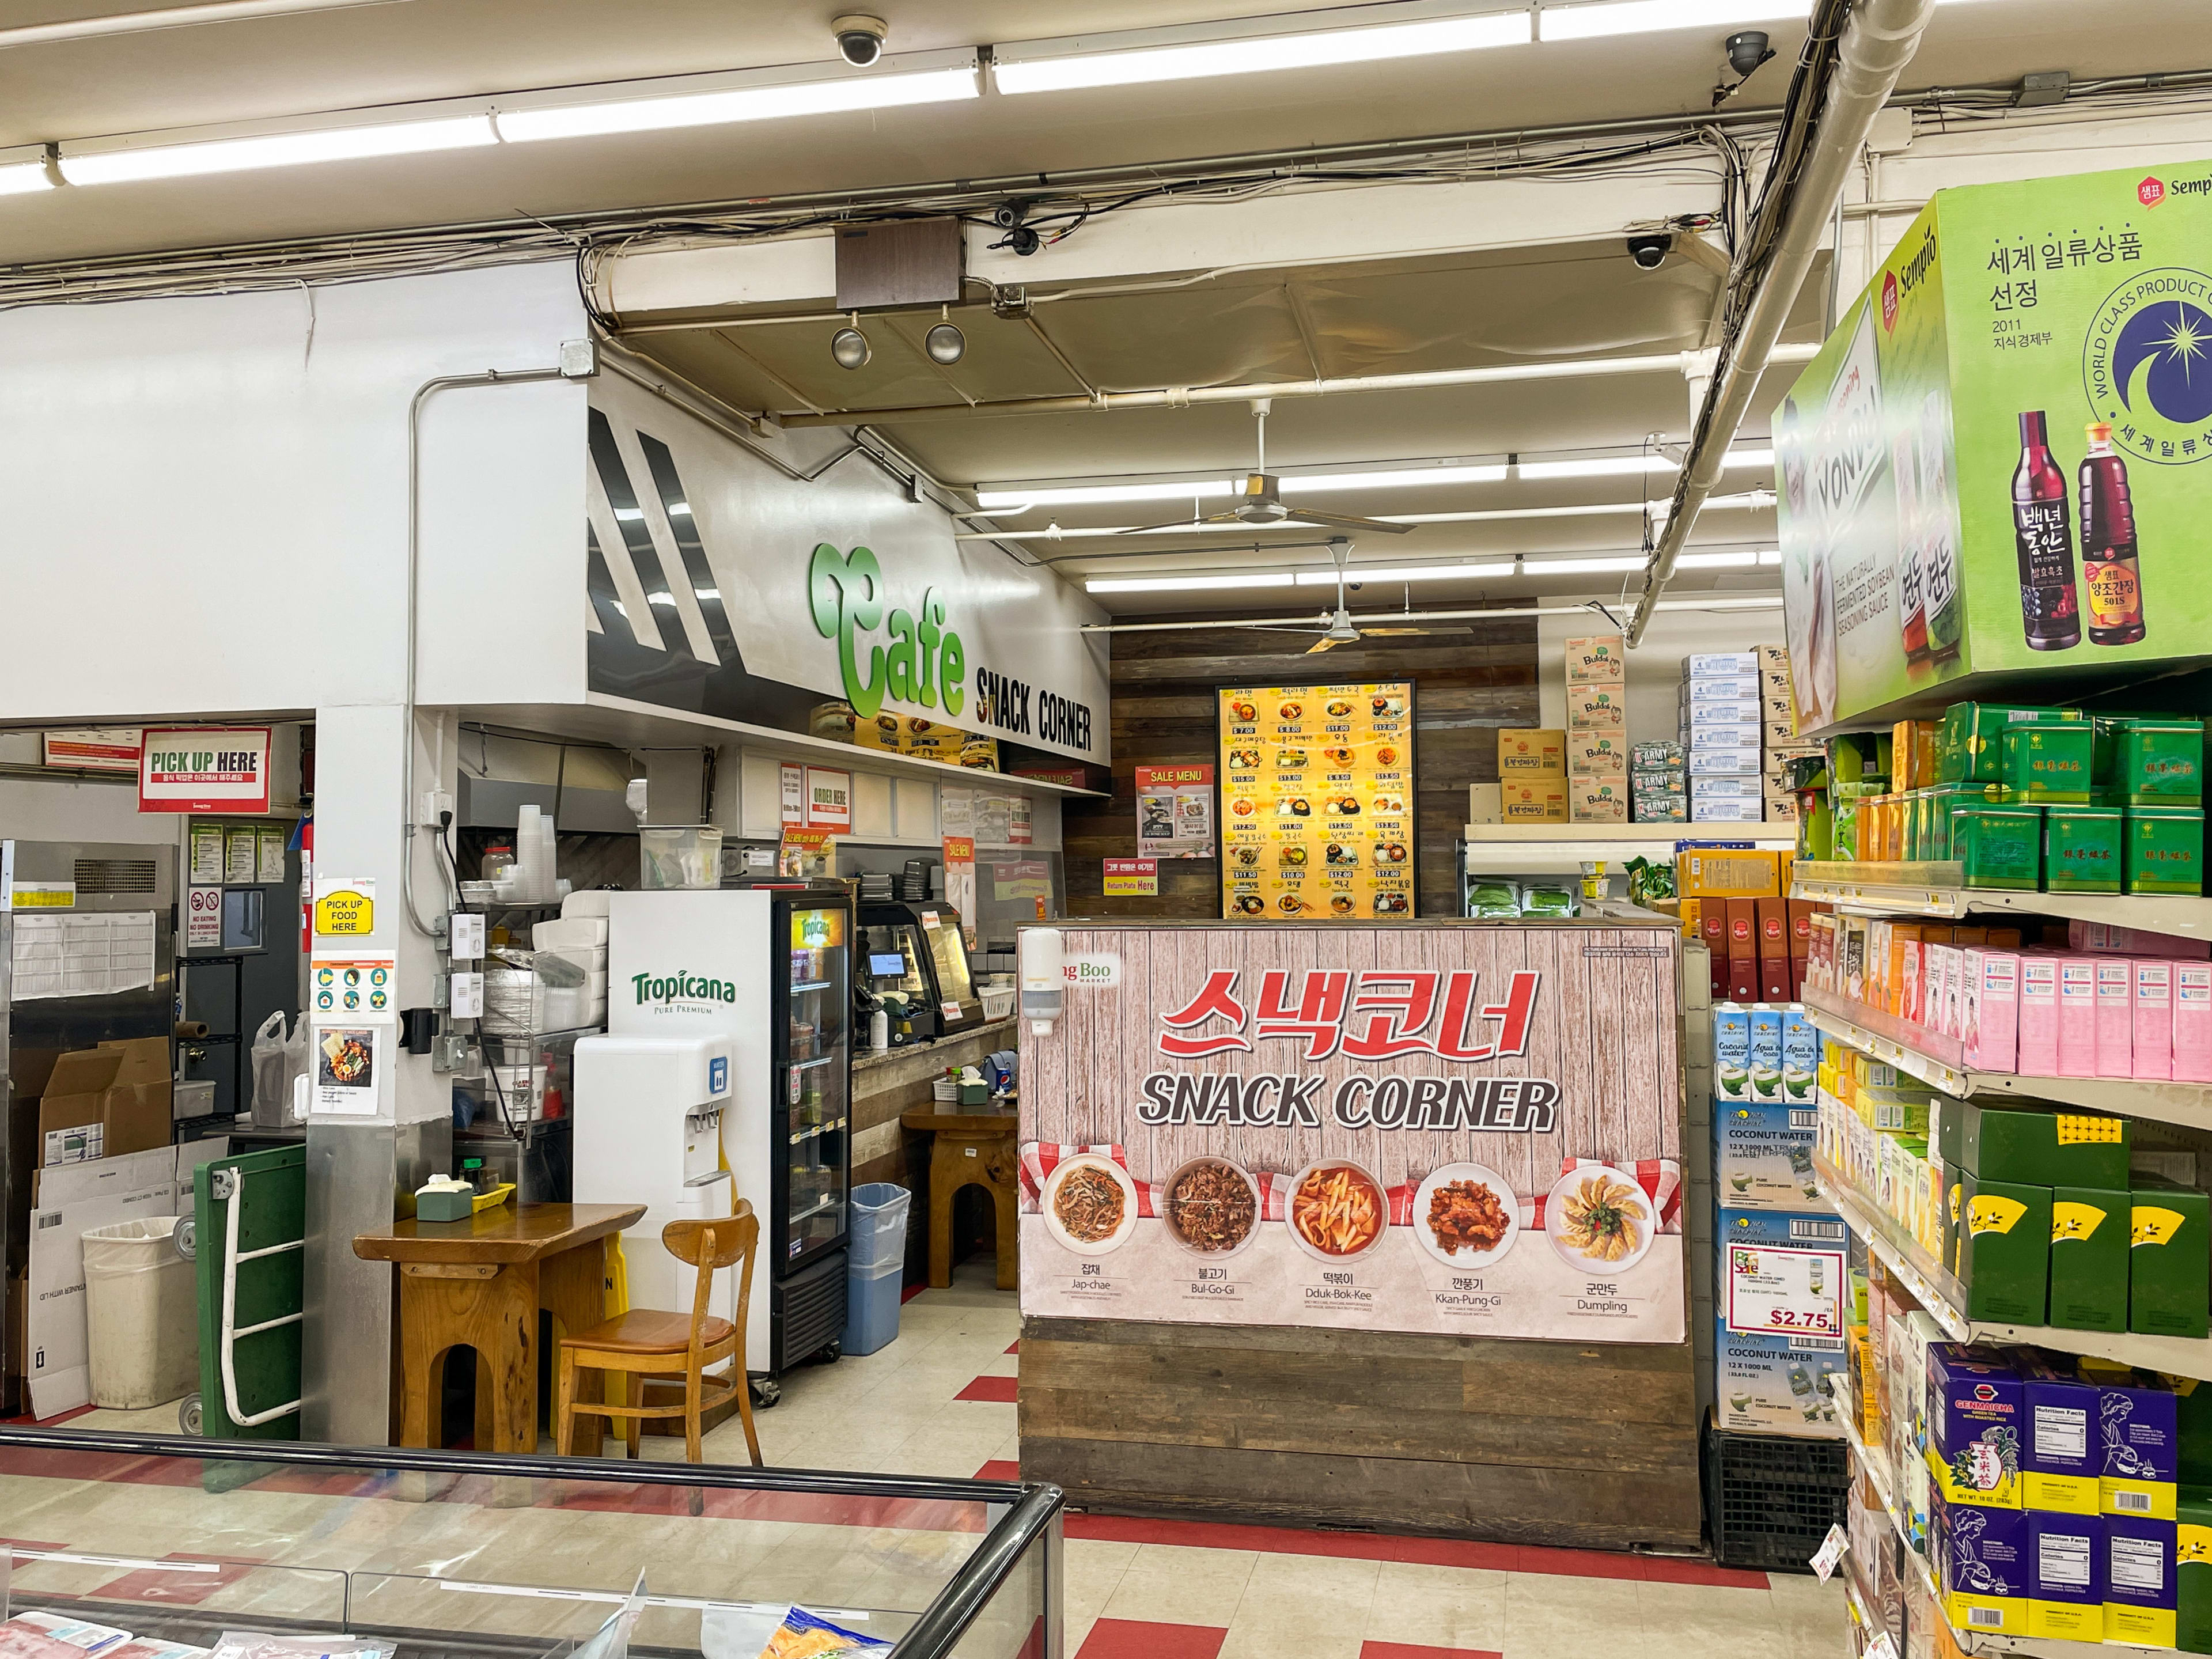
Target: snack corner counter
[{"x": 1362, "y": 1224}]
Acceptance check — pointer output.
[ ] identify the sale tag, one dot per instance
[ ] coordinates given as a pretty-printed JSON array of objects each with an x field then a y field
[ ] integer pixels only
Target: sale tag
[
  {"x": 1776, "y": 1291},
  {"x": 1830, "y": 1552}
]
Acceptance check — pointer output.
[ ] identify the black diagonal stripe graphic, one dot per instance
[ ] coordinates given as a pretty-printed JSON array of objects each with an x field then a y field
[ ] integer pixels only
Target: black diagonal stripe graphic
[
  {"x": 706, "y": 586},
  {"x": 629, "y": 519},
  {"x": 599, "y": 583}
]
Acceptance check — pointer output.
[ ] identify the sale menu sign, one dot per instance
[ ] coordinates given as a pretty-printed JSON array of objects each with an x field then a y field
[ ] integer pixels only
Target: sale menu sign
[
  {"x": 1469, "y": 1128},
  {"x": 1317, "y": 801}
]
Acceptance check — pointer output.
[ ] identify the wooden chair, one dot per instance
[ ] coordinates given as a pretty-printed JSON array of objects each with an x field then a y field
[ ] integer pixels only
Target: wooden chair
[{"x": 643, "y": 1343}]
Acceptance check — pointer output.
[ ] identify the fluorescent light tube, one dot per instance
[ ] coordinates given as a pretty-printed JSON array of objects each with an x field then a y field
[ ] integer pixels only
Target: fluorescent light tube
[
  {"x": 20, "y": 178},
  {"x": 1189, "y": 584},
  {"x": 1396, "y": 478},
  {"x": 832, "y": 95},
  {"x": 1741, "y": 559},
  {"x": 274, "y": 150},
  {"x": 1014, "y": 73},
  {"x": 1406, "y": 572},
  {"x": 1016, "y": 500},
  {"x": 1604, "y": 466},
  {"x": 1580, "y": 567},
  {"x": 1648, "y": 17}
]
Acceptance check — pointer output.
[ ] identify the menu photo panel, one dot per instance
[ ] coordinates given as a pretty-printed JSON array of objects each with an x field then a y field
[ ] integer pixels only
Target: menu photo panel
[{"x": 1317, "y": 801}]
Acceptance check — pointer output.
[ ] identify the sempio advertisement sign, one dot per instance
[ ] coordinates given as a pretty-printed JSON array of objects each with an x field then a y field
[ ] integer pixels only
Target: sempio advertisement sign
[
  {"x": 1998, "y": 463},
  {"x": 1467, "y": 1129}
]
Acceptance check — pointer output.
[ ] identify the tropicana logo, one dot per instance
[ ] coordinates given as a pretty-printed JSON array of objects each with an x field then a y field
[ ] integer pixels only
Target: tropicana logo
[{"x": 688, "y": 987}]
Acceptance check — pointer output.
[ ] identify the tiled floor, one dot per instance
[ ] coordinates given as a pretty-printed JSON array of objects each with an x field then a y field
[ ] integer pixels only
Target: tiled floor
[{"x": 940, "y": 1400}]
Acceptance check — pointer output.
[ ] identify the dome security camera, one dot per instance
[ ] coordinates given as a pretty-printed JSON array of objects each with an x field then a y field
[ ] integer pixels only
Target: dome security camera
[
  {"x": 1747, "y": 51},
  {"x": 1649, "y": 252},
  {"x": 859, "y": 38}
]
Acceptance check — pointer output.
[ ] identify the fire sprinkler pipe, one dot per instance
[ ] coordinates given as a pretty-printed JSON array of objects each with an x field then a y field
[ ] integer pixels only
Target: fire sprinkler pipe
[
  {"x": 1878, "y": 38},
  {"x": 1186, "y": 397}
]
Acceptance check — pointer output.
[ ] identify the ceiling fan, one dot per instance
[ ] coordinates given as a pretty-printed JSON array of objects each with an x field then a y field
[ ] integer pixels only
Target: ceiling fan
[
  {"x": 1340, "y": 629},
  {"x": 1261, "y": 501}
]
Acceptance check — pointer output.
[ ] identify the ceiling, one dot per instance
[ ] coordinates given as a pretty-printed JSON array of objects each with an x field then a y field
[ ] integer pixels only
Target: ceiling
[{"x": 1440, "y": 312}]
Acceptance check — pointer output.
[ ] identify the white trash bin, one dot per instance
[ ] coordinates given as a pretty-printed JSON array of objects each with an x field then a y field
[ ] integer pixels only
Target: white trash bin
[{"x": 141, "y": 1315}]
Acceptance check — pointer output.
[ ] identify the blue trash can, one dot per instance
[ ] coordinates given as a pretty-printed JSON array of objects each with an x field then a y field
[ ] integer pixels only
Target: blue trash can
[{"x": 875, "y": 1264}]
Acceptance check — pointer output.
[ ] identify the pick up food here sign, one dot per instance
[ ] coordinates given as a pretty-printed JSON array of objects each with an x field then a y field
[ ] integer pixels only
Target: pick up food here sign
[{"x": 1470, "y": 1130}]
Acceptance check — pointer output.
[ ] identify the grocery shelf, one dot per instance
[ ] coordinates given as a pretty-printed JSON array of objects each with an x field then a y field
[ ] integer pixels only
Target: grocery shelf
[
  {"x": 1938, "y": 890},
  {"x": 1560, "y": 849},
  {"x": 1874, "y": 1465},
  {"x": 1939, "y": 1293},
  {"x": 1937, "y": 1062}
]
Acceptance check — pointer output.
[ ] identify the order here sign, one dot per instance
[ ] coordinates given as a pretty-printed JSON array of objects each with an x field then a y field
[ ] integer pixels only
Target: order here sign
[{"x": 204, "y": 768}]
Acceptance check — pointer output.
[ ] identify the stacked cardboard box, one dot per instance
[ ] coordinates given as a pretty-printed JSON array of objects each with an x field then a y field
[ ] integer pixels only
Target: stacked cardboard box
[
  {"x": 1597, "y": 730},
  {"x": 1720, "y": 729},
  {"x": 1532, "y": 777},
  {"x": 1777, "y": 716},
  {"x": 1658, "y": 783}
]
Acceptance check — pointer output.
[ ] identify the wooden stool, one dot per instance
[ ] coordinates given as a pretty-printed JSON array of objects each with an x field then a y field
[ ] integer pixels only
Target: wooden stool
[
  {"x": 970, "y": 1149},
  {"x": 642, "y": 1342}
]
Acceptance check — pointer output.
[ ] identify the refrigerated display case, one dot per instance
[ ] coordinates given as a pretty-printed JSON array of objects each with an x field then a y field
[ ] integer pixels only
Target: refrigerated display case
[
  {"x": 931, "y": 972},
  {"x": 815, "y": 1023}
]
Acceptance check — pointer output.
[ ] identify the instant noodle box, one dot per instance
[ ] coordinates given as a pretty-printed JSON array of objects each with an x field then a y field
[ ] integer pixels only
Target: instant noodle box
[
  {"x": 2169, "y": 1258},
  {"x": 1604, "y": 706},
  {"x": 2082, "y": 849},
  {"x": 2002, "y": 1250},
  {"x": 1976, "y": 1406},
  {"x": 2043, "y": 1148},
  {"x": 1596, "y": 658},
  {"x": 2049, "y": 763},
  {"x": 2089, "y": 1258},
  {"x": 1540, "y": 750},
  {"x": 1524, "y": 799},
  {"x": 2150, "y": 762},
  {"x": 2163, "y": 850}
]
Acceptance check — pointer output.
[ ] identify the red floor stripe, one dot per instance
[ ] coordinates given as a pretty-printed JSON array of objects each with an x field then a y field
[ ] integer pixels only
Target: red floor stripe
[
  {"x": 1000, "y": 1468},
  {"x": 1014, "y": 1346},
  {"x": 1138, "y": 1638},
  {"x": 1000, "y": 1389},
  {"x": 1423, "y": 1551},
  {"x": 1414, "y": 1650},
  {"x": 53, "y": 1422},
  {"x": 910, "y": 1292}
]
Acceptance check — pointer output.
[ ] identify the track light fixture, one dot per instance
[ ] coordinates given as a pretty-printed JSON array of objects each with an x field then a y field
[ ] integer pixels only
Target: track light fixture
[
  {"x": 945, "y": 343},
  {"x": 849, "y": 346}
]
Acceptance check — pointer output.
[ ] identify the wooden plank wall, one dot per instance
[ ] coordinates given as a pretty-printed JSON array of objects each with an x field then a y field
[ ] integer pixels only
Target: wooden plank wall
[{"x": 1467, "y": 685}]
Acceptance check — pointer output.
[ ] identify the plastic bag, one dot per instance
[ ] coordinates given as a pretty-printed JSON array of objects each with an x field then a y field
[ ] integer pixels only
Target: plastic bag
[
  {"x": 802, "y": 1635},
  {"x": 264, "y": 1644},
  {"x": 272, "y": 1071}
]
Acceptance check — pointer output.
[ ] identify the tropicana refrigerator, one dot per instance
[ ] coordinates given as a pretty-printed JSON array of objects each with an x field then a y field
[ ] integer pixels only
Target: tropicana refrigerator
[{"x": 768, "y": 969}]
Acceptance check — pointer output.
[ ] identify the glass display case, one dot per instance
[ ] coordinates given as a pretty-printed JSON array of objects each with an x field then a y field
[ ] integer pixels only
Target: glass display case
[
  {"x": 917, "y": 963},
  {"x": 812, "y": 1133},
  {"x": 177, "y": 1540}
]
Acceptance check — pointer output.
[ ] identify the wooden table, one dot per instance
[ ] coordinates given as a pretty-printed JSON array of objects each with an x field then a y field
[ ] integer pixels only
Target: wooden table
[
  {"x": 971, "y": 1149},
  {"x": 480, "y": 1283}
]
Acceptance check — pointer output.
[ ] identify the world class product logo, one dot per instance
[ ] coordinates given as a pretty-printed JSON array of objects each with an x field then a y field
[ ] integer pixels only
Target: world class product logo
[{"x": 2147, "y": 365}]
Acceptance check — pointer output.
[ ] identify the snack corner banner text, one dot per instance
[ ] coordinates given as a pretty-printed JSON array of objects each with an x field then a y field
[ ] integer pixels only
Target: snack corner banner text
[
  {"x": 1468, "y": 1130},
  {"x": 2001, "y": 462}
]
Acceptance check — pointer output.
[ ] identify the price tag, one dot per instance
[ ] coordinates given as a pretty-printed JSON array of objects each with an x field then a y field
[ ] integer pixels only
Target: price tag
[
  {"x": 1830, "y": 1552},
  {"x": 1883, "y": 1647}
]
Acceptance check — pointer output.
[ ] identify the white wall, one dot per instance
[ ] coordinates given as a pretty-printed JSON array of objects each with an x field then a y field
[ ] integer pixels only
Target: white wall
[
  {"x": 1654, "y": 668},
  {"x": 35, "y": 810},
  {"x": 207, "y": 505}
]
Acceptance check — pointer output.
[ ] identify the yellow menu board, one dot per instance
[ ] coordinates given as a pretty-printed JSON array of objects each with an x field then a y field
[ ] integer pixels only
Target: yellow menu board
[{"x": 1317, "y": 801}]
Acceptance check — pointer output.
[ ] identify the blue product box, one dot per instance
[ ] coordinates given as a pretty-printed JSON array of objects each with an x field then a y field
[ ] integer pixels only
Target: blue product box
[
  {"x": 2066, "y": 1576},
  {"x": 1976, "y": 1406},
  {"x": 1801, "y": 1056},
  {"x": 1731, "y": 1052},
  {"x": 1775, "y": 1384},
  {"x": 1981, "y": 1560},
  {"x": 2139, "y": 1433},
  {"x": 2139, "y": 1582},
  {"x": 1762, "y": 1155},
  {"x": 2061, "y": 1446}
]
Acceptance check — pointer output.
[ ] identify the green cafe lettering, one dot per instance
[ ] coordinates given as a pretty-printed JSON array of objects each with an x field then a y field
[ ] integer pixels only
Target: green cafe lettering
[{"x": 926, "y": 660}]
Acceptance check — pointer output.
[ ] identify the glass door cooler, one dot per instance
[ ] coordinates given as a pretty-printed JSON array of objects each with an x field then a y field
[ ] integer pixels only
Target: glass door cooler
[{"x": 803, "y": 1244}]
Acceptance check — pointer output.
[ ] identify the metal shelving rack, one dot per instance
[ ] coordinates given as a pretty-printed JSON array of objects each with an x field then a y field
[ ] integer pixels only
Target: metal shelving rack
[{"x": 1938, "y": 890}]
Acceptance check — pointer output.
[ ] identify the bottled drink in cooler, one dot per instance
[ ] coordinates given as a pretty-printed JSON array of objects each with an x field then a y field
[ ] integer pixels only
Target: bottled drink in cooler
[
  {"x": 2109, "y": 568},
  {"x": 2050, "y": 612}
]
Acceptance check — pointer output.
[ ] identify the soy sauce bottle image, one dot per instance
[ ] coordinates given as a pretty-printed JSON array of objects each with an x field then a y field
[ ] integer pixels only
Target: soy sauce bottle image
[
  {"x": 2109, "y": 575},
  {"x": 2050, "y": 613}
]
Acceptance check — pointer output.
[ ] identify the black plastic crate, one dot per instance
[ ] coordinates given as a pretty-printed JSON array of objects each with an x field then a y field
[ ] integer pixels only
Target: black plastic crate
[{"x": 1769, "y": 1498}]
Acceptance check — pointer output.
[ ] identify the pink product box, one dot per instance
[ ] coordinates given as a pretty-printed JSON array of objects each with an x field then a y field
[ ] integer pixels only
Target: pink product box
[
  {"x": 2116, "y": 1016},
  {"x": 1991, "y": 1030},
  {"x": 1911, "y": 1003},
  {"x": 1943, "y": 990},
  {"x": 2154, "y": 1016},
  {"x": 2192, "y": 1022},
  {"x": 2077, "y": 1017},
  {"x": 2104, "y": 938},
  {"x": 2038, "y": 1016}
]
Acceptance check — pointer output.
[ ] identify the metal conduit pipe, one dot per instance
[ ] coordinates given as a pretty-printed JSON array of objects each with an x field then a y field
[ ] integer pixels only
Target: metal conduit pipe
[
  {"x": 1753, "y": 499},
  {"x": 1388, "y": 618},
  {"x": 1879, "y": 39},
  {"x": 1184, "y": 397}
]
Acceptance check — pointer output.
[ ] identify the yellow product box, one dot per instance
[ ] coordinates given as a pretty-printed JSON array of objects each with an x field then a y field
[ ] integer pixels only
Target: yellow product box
[
  {"x": 1692, "y": 911},
  {"x": 1596, "y": 658},
  {"x": 2005, "y": 1495},
  {"x": 2066, "y": 1621},
  {"x": 1732, "y": 873},
  {"x": 1987, "y": 1615},
  {"x": 1598, "y": 704},
  {"x": 1541, "y": 751},
  {"x": 1534, "y": 800}
]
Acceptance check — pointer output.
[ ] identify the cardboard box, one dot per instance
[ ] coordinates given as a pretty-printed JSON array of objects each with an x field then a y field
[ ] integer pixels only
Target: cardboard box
[
  {"x": 1727, "y": 872},
  {"x": 2192, "y": 1571},
  {"x": 1541, "y": 750},
  {"x": 1600, "y": 706},
  {"x": 1980, "y": 1557},
  {"x": 2089, "y": 1257},
  {"x": 1975, "y": 1411},
  {"x": 74, "y": 1200},
  {"x": 1725, "y": 763},
  {"x": 2141, "y": 1439},
  {"x": 1712, "y": 929},
  {"x": 1762, "y": 1155},
  {"x": 2066, "y": 1576},
  {"x": 1712, "y": 713},
  {"x": 1772, "y": 1385},
  {"x": 2038, "y": 1017},
  {"x": 1597, "y": 800},
  {"x": 1708, "y": 790},
  {"x": 1486, "y": 804},
  {"x": 1533, "y": 800},
  {"x": 2003, "y": 1249},
  {"x": 1600, "y": 752},
  {"x": 2061, "y": 1450},
  {"x": 2044, "y": 1148},
  {"x": 2169, "y": 1258},
  {"x": 2139, "y": 1580},
  {"x": 1713, "y": 663},
  {"x": 2150, "y": 1010},
  {"x": 1596, "y": 658}
]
